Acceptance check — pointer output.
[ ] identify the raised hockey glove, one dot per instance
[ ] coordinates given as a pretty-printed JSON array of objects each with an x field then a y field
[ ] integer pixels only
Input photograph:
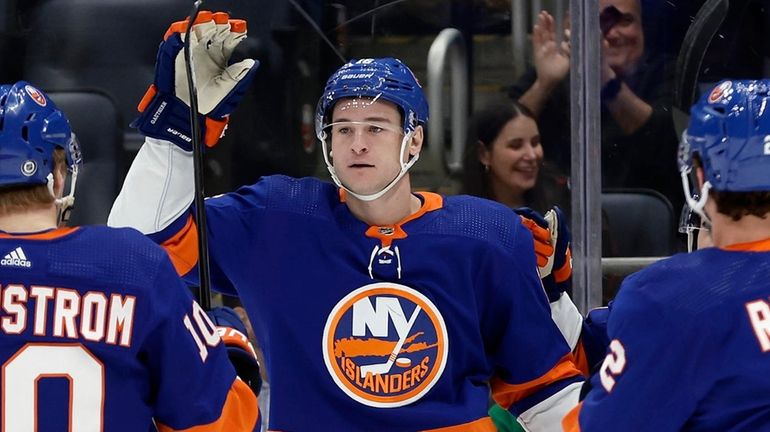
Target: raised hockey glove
[
  {"x": 164, "y": 109},
  {"x": 552, "y": 247},
  {"x": 539, "y": 229},
  {"x": 240, "y": 351},
  {"x": 559, "y": 279}
]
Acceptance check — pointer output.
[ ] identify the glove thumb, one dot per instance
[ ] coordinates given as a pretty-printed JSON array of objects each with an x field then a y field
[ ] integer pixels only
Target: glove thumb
[
  {"x": 237, "y": 71},
  {"x": 553, "y": 228}
]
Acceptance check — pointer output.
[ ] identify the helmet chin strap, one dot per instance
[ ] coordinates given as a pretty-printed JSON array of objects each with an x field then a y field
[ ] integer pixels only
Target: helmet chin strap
[
  {"x": 696, "y": 205},
  {"x": 64, "y": 204},
  {"x": 371, "y": 197}
]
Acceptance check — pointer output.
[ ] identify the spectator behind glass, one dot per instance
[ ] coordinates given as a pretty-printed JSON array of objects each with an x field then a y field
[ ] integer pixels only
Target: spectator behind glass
[
  {"x": 638, "y": 138},
  {"x": 508, "y": 166}
]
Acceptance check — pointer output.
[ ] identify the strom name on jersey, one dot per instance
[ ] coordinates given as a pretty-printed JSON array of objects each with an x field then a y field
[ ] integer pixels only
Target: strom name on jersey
[{"x": 91, "y": 316}]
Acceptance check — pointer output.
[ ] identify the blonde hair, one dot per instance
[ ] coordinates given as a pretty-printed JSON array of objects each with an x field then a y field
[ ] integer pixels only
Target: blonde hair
[{"x": 21, "y": 198}]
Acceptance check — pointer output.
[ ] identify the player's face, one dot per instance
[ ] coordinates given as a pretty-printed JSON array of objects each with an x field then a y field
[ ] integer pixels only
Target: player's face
[
  {"x": 626, "y": 38},
  {"x": 515, "y": 156},
  {"x": 366, "y": 141}
]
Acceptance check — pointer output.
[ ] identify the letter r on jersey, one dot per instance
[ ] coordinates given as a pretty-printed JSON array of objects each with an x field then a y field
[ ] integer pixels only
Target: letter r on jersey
[{"x": 759, "y": 314}]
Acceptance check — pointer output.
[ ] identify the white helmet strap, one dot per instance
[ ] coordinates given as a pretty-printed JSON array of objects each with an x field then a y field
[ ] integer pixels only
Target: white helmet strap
[
  {"x": 696, "y": 205},
  {"x": 64, "y": 204}
]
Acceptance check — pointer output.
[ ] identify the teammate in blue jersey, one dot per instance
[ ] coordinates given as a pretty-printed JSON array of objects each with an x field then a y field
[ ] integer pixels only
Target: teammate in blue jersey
[
  {"x": 378, "y": 309},
  {"x": 97, "y": 331},
  {"x": 690, "y": 336}
]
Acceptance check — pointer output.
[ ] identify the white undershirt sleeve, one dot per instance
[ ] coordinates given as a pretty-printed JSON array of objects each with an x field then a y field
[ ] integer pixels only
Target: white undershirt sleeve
[{"x": 158, "y": 189}]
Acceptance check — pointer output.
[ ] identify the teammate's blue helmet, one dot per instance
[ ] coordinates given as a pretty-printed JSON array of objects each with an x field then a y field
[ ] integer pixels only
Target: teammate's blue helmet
[
  {"x": 729, "y": 130},
  {"x": 383, "y": 78},
  {"x": 31, "y": 128},
  {"x": 377, "y": 79}
]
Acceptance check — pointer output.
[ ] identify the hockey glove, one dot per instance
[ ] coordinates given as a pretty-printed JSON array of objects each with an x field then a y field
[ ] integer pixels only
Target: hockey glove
[
  {"x": 539, "y": 229},
  {"x": 552, "y": 247},
  {"x": 240, "y": 351},
  {"x": 165, "y": 112},
  {"x": 559, "y": 279}
]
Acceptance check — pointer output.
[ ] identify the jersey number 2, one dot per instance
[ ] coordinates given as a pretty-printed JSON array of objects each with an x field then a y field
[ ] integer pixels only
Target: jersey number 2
[
  {"x": 34, "y": 362},
  {"x": 613, "y": 365}
]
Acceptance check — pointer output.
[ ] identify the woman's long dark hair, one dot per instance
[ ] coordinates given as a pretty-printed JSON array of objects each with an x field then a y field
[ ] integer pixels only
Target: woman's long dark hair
[{"x": 487, "y": 125}]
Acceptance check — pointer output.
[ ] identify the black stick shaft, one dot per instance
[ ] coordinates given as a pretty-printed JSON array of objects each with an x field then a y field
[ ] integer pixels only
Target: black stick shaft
[{"x": 204, "y": 277}]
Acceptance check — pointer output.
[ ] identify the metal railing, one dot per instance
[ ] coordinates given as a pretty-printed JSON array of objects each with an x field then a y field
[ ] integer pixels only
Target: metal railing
[
  {"x": 625, "y": 266},
  {"x": 448, "y": 46}
]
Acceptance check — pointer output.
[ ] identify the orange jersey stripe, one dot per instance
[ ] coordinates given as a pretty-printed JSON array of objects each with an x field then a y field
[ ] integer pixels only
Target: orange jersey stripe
[
  {"x": 581, "y": 359},
  {"x": 48, "y": 235},
  {"x": 484, "y": 424},
  {"x": 755, "y": 246},
  {"x": 507, "y": 394},
  {"x": 240, "y": 413},
  {"x": 570, "y": 421},
  {"x": 182, "y": 248}
]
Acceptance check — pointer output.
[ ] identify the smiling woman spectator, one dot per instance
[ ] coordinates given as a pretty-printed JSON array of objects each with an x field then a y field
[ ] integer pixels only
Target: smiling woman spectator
[{"x": 508, "y": 162}]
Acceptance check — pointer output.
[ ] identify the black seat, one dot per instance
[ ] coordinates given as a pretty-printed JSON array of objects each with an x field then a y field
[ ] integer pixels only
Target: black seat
[
  {"x": 105, "y": 45},
  {"x": 96, "y": 122},
  {"x": 640, "y": 222}
]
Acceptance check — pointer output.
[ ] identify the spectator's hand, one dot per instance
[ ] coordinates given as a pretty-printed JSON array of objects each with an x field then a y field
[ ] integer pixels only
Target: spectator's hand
[
  {"x": 165, "y": 107},
  {"x": 606, "y": 72},
  {"x": 551, "y": 57}
]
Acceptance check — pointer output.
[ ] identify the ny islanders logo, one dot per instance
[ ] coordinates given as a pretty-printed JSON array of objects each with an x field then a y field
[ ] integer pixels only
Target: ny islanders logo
[
  {"x": 385, "y": 345},
  {"x": 36, "y": 95},
  {"x": 720, "y": 91}
]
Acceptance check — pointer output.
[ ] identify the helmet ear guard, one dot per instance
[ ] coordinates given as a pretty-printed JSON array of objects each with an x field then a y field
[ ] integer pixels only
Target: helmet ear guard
[{"x": 377, "y": 79}]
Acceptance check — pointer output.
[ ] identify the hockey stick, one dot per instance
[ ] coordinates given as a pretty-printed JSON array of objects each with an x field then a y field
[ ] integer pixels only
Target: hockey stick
[
  {"x": 688, "y": 63},
  {"x": 381, "y": 368},
  {"x": 204, "y": 281}
]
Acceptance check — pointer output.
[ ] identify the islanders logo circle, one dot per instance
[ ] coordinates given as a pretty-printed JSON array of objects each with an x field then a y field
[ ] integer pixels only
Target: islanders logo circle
[
  {"x": 720, "y": 91},
  {"x": 36, "y": 95},
  {"x": 385, "y": 345}
]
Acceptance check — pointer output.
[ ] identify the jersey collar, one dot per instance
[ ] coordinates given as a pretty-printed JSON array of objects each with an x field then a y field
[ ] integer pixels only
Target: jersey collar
[
  {"x": 755, "y": 246},
  {"x": 50, "y": 234}
]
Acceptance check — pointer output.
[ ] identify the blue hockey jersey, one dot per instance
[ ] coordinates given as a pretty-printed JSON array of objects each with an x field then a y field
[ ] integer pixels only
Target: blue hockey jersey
[
  {"x": 100, "y": 334},
  {"x": 690, "y": 347},
  {"x": 383, "y": 328}
]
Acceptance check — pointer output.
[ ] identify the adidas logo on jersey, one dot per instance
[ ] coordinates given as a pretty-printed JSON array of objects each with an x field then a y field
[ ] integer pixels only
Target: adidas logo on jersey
[{"x": 16, "y": 259}]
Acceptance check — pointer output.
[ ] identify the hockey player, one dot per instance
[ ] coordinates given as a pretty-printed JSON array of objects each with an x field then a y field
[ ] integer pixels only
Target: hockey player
[
  {"x": 378, "y": 309},
  {"x": 98, "y": 332},
  {"x": 690, "y": 335}
]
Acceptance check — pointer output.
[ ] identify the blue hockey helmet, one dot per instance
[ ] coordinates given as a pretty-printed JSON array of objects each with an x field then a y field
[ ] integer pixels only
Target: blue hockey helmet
[
  {"x": 31, "y": 128},
  {"x": 377, "y": 79},
  {"x": 382, "y": 78},
  {"x": 729, "y": 130}
]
